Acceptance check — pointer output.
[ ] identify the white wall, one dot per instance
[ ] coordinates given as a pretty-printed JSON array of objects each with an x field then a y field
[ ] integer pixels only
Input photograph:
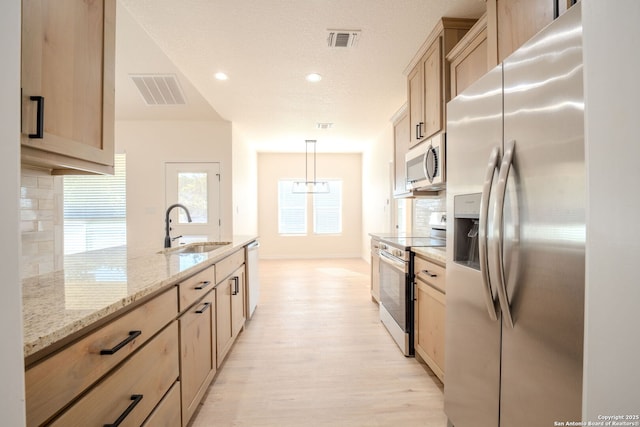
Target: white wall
[
  {"x": 612, "y": 92},
  {"x": 376, "y": 188},
  {"x": 148, "y": 145},
  {"x": 275, "y": 166},
  {"x": 11, "y": 358},
  {"x": 245, "y": 187}
]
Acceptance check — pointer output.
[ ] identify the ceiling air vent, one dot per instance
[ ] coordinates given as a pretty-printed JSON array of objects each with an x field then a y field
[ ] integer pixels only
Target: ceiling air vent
[
  {"x": 159, "y": 89},
  {"x": 342, "y": 38},
  {"x": 324, "y": 125}
]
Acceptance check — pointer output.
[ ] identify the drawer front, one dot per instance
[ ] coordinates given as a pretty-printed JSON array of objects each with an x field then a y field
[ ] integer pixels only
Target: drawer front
[
  {"x": 56, "y": 381},
  {"x": 228, "y": 265},
  {"x": 196, "y": 287},
  {"x": 167, "y": 413},
  {"x": 133, "y": 390},
  {"x": 430, "y": 273}
]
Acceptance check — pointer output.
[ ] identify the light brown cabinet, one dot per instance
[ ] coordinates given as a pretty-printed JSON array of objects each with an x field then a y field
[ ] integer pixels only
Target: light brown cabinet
[
  {"x": 197, "y": 300},
  {"x": 133, "y": 390},
  {"x": 400, "y": 148},
  {"x": 469, "y": 59},
  {"x": 68, "y": 72},
  {"x": 428, "y": 80},
  {"x": 54, "y": 382},
  {"x": 197, "y": 352},
  {"x": 513, "y": 22},
  {"x": 230, "y": 302},
  {"x": 375, "y": 269},
  {"x": 430, "y": 309}
]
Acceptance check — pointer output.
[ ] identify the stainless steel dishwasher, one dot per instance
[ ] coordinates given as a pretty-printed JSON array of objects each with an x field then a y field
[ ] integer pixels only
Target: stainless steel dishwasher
[{"x": 253, "y": 282}]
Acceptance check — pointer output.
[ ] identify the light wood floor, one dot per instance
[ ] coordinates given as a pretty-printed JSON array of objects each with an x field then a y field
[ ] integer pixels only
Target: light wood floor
[{"x": 316, "y": 354}]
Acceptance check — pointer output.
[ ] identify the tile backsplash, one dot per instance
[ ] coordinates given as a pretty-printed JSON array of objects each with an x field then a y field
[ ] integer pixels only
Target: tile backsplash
[
  {"x": 422, "y": 209},
  {"x": 40, "y": 222}
]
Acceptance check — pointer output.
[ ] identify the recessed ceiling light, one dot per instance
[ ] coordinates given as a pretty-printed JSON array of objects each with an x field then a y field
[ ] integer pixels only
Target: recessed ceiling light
[
  {"x": 221, "y": 76},
  {"x": 314, "y": 77}
]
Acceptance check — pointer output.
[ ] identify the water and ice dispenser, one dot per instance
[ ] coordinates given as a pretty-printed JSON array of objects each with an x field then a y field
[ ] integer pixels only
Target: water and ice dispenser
[{"x": 466, "y": 217}]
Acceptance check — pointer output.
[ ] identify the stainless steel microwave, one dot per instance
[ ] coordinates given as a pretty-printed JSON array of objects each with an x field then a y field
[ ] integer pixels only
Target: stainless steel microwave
[{"x": 425, "y": 164}]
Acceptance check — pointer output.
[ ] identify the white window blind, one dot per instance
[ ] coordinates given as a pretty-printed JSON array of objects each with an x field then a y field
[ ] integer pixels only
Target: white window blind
[
  {"x": 292, "y": 209},
  {"x": 95, "y": 210},
  {"x": 327, "y": 210}
]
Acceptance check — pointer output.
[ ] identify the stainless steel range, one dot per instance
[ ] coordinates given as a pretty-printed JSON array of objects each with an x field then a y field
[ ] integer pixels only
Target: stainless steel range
[{"x": 396, "y": 284}]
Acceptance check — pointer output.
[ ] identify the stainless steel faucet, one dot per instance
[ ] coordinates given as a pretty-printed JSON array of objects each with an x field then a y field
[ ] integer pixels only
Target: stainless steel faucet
[{"x": 167, "y": 221}]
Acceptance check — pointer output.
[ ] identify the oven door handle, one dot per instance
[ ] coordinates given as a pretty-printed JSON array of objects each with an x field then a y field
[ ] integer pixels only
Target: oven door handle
[{"x": 396, "y": 264}]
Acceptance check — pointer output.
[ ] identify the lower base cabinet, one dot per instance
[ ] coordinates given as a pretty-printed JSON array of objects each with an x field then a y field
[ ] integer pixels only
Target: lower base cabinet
[
  {"x": 197, "y": 353},
  {"x": 230, "y": 311},
  {"x": 129, "y": 394},
  {"x": 167, "y": 413},
  {"x": 430, "y": 309}
]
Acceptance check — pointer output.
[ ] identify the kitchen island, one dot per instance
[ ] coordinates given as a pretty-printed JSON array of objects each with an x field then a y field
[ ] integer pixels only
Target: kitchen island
[{"x": 90, "y": 328}]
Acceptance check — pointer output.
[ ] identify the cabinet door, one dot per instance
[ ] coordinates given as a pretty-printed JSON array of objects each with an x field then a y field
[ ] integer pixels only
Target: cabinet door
[
  {"x": 519, "y": 20},
  {"x": 433, "y": 92},
  {"x": 224, "y": 332},
  {"x": 416, "y": 104},
  {"x": 68, "y": 52},
  {"x": 197, "y": 355},
  {"x": 401, "y": 139},
  {"x": 131, "y": 391},
  {"x": 429, "y": 327},
  {"x": 238, "y": 305}
]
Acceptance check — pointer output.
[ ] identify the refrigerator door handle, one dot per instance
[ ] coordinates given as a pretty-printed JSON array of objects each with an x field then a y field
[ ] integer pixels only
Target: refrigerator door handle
[
  {"x": 482, "y": 233},
  {"x": 498, "y": 259}
]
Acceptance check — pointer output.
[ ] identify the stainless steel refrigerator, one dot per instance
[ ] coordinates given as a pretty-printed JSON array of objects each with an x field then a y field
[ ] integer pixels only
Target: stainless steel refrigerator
[{"x": 516, "y": 196}]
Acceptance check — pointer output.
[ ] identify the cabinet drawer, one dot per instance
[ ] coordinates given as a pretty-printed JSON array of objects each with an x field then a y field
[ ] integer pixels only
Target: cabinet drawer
[
  {"x": 228, "y": 265},
  {"x": 137, "y": 386},
  {"x": 56, "y": 381},
  {"x": 167, "y": 413},
  {"x": 196, "y": 287},
  {"x": 430, "y": 273}
]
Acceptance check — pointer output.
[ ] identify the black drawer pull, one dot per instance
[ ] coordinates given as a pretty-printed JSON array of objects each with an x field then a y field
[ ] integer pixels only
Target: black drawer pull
[
  {"x": 39, "y": 117},
  {"x": 203, "y": 284},
  {"x": 136, "y": 399},
  {"x": 236, "y": 287},
  {"x": 204, "y": 308},
  {"x": 131, "y": 337},
  {"x": 430, "y": 274}
]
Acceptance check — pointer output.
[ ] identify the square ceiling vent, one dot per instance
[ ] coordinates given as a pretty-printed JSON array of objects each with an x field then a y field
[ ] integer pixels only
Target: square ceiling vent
[
  {"x": 342, "y": 38},
  {"x": 159, "y": 89}
]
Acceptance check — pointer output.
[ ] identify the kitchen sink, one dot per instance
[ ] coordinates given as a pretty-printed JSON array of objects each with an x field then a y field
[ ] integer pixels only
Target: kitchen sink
[{"x": 196, "y": 248}]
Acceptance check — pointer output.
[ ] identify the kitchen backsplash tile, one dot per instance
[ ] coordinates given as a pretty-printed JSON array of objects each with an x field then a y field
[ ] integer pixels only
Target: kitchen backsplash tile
[
  {"x": 40, "y": 222},
  {"x": 422, "y": 209}
]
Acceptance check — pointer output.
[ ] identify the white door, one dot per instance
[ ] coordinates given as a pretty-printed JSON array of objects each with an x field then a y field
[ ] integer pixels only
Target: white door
[{"x": 197, "y": 187}]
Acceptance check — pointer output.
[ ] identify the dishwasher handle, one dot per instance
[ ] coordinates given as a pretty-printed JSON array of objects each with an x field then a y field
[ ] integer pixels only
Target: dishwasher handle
[{"x": 253, "y": 245}]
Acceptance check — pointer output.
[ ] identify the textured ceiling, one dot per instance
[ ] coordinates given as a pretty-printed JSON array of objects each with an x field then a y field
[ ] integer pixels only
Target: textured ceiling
[{"x": 267, "y": 47}]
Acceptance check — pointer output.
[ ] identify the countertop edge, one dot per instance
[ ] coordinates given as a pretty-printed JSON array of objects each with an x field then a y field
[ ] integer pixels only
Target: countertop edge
[{"x": 36, "y": 345}]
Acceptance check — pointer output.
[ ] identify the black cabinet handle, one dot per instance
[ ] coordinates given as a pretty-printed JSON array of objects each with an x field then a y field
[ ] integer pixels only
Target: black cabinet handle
[
  {"x": 136, "y": 398},
  {"x": 430, "y": 274},
  {"x": 204, "y": 308},
  {"x": 203, "y": 285},
  {"x": 39, "y": 117},
  {"x": 556, "y": 9},
  {"x": 131, "y": 337},
  {"x": 236, "y": 287},
  {"x": 417, "y": 132}
]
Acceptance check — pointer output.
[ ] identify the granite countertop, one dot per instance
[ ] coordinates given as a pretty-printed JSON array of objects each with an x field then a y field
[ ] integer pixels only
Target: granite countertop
[
  {"x": 436, "y": 254},
  {"x": 96, "y": 284}
]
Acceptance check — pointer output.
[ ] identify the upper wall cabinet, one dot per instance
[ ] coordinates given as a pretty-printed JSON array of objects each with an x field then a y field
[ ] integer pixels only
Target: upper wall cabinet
[
  {"x": 428, "y": 79},
  {"x": 513, "y": 22},
  {"x": 469, "y": 58},
  {"x": 68, "y": 58}
]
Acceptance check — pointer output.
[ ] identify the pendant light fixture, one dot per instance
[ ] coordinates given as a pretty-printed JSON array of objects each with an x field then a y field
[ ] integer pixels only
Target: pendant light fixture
[{"x": 308, "y": 186}]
